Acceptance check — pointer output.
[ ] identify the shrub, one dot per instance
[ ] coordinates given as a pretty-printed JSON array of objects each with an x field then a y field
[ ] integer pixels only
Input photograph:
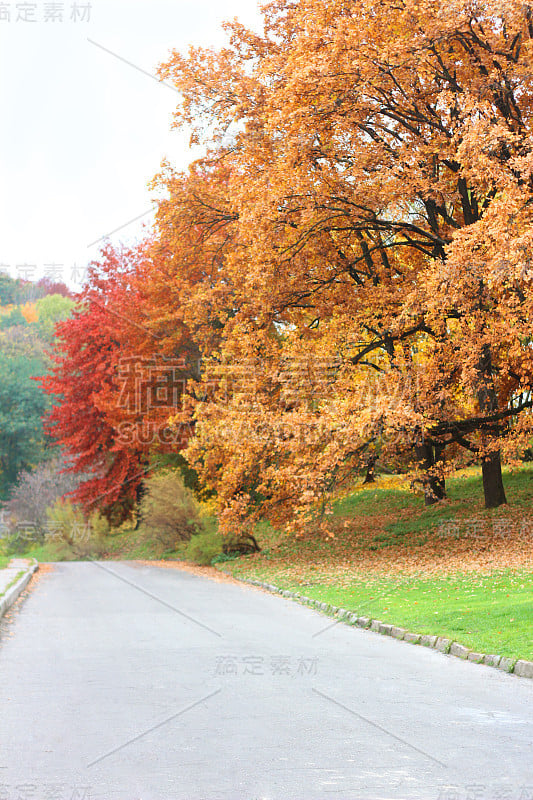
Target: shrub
[
  {"x": 205, "y": 547},
  {"x": 169, "y": 512},
  {"x": 73, "y": 535},
  {"x": 35, "y": 492},
  {"x": 17, "y": 542}
]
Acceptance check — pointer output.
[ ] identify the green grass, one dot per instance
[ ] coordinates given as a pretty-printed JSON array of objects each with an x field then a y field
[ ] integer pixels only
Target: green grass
[
  {"x": 416, "y": 521},
  {"x": 488, "y": 613},
  {"x": 17, "y": 577},
  {"x": 465, "y": 499},
  {"x": 124, "y": 544},
  {"x": 395, "y": 516}
]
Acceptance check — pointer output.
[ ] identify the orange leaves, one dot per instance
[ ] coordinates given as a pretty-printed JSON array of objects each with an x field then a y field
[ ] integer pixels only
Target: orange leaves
[
  {"x": 29, "y": 312},
  {"x": 352, "y": 256}
]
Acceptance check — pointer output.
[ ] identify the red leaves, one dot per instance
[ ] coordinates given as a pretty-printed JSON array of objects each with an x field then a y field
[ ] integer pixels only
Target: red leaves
[{"x": 83, "y": 381}]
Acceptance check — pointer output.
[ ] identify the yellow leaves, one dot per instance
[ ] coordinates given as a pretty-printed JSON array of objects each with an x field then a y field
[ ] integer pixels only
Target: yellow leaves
[
  {"x": 29, "y": 312},
  {"x": 342, "y": 261}
]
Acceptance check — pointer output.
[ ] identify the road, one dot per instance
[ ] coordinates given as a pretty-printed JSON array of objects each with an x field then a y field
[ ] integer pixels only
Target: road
[{"x": 130, "y": 682}]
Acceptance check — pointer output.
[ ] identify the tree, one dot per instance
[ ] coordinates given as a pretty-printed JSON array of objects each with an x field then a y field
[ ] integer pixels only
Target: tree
[
  {"x": 51, "y": 309},
  {"x": 379, "y": 196},
  {"x": 22, "y": 405},
  {"x": 9, "y": 290},
  {"x": 115, "y": 389},
  {"x": 47, "y": 286},
  {"x": 13, "y": 318},
  {"x": 85, "y": 359}
]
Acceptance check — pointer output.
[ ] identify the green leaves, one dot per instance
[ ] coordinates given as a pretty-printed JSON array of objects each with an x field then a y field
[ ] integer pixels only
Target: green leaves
[{"x": 22, "y": 405}]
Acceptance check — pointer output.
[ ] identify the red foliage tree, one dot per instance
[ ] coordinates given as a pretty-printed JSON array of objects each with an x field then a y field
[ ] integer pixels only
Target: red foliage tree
[
  {"x": 112, "y": 389},
  {"x": 49, "y": 286}
]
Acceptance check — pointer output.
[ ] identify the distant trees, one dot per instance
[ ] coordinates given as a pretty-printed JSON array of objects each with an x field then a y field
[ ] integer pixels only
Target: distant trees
[
  {"x": 15, "y": 291},
  {"x": 26, "y": 330},
  {"x": 35, "y": 492},
  {"x": 22, "y": 406},
  {"x": 51, "y": 309}
]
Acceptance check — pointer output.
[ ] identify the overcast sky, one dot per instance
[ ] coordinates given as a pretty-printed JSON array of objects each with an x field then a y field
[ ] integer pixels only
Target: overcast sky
[{"x": 82, "y": 131}]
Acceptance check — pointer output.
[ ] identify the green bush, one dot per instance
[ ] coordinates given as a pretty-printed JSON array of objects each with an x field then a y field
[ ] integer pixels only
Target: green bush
[
  {"x": 204, "y": 547},
  {"x": 169, "y": 512},
  {"x": 17, "y": 543},
  {"x": 72, "y": 535},
  {"x": 222, "y": 558}
]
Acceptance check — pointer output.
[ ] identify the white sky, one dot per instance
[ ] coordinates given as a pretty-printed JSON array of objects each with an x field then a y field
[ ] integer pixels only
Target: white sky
[{"x": 83, "y": 132}]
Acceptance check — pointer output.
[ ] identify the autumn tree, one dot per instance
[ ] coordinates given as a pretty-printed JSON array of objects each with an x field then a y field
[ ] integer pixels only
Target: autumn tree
[
  {"x": 116, "y": 385},
  {"x": 377, "y": 204},
  {"x": 86, "y": 353}
]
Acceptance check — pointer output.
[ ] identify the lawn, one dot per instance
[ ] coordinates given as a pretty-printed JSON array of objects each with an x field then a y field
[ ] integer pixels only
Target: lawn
[
  {"x": 487, "y": 613},
  {"x": 12, "y": 582},
  {"x": 456, "y": 569}
]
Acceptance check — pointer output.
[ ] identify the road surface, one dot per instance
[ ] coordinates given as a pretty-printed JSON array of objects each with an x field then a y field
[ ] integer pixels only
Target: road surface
[{"x": 131, "y": 682}]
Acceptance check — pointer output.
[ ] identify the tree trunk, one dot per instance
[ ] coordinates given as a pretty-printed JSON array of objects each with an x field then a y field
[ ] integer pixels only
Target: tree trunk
[
  {"x": 434, "y": 486},
  {"x": 493, "y": 488},
  {"x": 370, "y": 470},
  {"x": 139, "y": 494},
  {"x": 438, "y": 485},
  {"x": 491, "y": 466}
]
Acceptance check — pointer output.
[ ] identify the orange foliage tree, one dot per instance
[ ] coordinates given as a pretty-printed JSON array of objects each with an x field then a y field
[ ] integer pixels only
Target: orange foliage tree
[{"x": 354, "y": 254}]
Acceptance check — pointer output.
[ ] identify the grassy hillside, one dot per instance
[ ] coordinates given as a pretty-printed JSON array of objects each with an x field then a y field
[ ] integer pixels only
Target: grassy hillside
[{"x": 454, "y": 569}]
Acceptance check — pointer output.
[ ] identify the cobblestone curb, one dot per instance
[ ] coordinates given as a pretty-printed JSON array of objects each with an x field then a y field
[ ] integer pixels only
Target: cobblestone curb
[
  {"x": 14, "y": 592},
  {"x": 520, "y": 667}
]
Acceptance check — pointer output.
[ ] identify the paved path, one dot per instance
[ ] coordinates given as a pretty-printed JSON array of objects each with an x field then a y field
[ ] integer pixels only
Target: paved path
[{"x": 129, "y": 682}]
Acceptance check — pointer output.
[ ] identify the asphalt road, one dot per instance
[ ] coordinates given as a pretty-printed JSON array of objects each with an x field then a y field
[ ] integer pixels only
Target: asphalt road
[{"x": 129, "y": 682}]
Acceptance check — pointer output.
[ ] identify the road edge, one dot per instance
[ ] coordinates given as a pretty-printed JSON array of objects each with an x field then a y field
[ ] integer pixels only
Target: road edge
[
  {"x": 14, "y": 592},
  {"x": 519, "y": 667}
]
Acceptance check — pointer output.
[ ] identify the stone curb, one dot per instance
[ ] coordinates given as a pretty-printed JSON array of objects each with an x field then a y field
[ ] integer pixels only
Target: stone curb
[
  {"x": 520, "y": 667},
  {"x": 14, "y": 592}
]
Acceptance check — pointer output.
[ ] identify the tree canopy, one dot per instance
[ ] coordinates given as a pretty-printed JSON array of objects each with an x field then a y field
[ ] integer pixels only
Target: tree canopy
[{"x": 375, "y": 218}]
